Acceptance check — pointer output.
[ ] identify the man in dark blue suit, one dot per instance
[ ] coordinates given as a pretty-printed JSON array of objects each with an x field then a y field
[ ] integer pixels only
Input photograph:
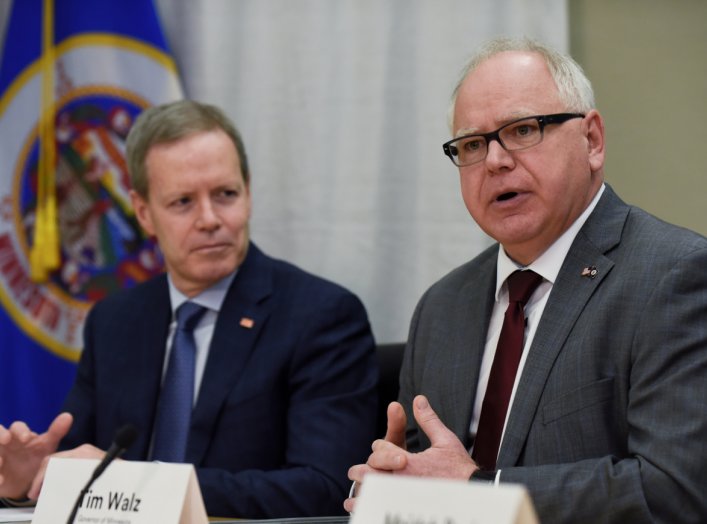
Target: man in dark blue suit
[{"x": 284, "y": 373}]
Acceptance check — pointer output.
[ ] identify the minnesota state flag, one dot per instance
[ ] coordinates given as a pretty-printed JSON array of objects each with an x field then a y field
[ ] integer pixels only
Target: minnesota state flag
[{"x": 73, "y": 77}]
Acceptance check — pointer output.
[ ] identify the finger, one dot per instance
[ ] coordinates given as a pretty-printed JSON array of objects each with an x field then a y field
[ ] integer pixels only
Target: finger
[
  {"x": 429, "y": 422},
  {"x": 397, "y": 421},
  {"x": 59, "y": 427},
  {"x": 387, "y": 456},
  {"x": 350, "y": 504},
  {"x": 357, "y": 472},
  {"x": 21, "y": 431}
]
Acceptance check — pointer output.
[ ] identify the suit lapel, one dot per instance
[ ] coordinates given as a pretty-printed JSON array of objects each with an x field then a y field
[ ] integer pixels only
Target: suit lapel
[
  {"x": 471, "y": 313},
  {"x": 139, "y": 400},
  {"x": 568, "y": 298},
  {"x": 242, "y": 316}
]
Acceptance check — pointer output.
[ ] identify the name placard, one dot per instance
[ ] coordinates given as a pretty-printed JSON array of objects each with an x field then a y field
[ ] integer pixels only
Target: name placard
[
  {"x": 394, "y": 499},
  {"x": 128, "y": 492}
]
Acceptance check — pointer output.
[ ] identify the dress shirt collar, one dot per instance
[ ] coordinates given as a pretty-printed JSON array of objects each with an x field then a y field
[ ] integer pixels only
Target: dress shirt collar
[
  {"x": 549, "y": 263},
  {"x": 211, "y": 298}
]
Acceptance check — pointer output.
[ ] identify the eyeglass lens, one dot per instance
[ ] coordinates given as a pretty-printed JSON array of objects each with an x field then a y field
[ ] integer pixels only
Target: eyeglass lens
[{"x": 514, "y": 136}]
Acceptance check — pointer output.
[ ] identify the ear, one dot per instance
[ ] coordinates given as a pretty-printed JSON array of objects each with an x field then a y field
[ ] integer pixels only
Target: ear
[
  {"x": 595, "y": 140},
  {"x": 142, "y": 212},
  {"x": 248, "y": 197}
]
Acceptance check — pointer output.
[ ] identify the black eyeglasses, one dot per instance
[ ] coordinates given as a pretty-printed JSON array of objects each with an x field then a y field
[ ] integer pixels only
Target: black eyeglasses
[{"x": 520, "y": 134}]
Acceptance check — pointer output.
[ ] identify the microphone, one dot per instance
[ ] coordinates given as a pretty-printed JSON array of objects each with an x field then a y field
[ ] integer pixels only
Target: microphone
[{"x": 123, "y": 439}]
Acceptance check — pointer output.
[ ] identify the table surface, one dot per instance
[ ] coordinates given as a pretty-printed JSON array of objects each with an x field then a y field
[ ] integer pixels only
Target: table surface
[
  {"x": 306, "y": 520},
  {"x": 24, "y": 516}
]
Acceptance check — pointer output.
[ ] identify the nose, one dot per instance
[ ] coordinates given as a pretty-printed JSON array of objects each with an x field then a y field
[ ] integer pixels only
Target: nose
[
  {"x": 497, "y": 158},
  {"x": 208, "y": 219}
]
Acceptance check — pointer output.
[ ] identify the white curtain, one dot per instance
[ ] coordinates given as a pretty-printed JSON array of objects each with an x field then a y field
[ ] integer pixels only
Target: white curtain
[{"x": 342, "y": 105}]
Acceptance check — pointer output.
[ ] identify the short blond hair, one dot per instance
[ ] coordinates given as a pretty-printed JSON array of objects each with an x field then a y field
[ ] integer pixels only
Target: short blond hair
[{"x": 168, "y": 123}]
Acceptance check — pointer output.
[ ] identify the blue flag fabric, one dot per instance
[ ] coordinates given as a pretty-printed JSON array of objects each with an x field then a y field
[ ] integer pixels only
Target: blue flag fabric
[{"x": 87, "y": 68}]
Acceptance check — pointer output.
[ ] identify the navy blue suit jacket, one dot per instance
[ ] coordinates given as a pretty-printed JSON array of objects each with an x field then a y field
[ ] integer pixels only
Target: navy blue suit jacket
[{"x": 285, "y": 406}]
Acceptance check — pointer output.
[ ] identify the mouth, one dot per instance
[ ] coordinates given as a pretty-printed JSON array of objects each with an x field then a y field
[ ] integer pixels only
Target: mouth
[
  {"x": 211, "y": 247},
  {"x": 506, "y": 196}
]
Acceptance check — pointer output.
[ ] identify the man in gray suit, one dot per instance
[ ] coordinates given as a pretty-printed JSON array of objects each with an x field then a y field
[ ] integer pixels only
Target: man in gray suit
[{"x": 607, "y": 418}]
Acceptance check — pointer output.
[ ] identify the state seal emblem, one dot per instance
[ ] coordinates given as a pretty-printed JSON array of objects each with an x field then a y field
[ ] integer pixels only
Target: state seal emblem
[{"x": 102, "y": 83}]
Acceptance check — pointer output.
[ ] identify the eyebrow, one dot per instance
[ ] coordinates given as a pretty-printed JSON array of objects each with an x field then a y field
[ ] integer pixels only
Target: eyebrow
[
  {"x": 515, "y": 115},
  {"x": 466, "y": 131}
]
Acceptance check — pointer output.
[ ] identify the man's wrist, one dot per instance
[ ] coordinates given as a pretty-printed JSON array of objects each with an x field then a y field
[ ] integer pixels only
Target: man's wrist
[
  {"x": 16, "y": 503},
  {"x": 480, "y": 475}
]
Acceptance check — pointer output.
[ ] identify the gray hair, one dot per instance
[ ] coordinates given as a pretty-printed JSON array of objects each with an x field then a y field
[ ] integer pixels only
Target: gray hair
[
  {"x": 168, "y": 123},
  {"x": 573, "y": 86}
]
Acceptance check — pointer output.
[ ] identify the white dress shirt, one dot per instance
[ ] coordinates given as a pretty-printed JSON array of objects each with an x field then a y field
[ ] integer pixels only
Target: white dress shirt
[
  {"x": 211, "y": 299},
  {"x": 547, "y": 266}
]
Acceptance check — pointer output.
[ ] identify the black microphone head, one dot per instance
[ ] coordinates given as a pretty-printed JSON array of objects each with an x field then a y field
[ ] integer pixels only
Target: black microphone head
[{"x": 125, "y": 436}]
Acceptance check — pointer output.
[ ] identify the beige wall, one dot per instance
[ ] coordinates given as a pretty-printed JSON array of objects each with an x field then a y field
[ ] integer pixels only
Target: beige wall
[{"x": 647, "y": 60}]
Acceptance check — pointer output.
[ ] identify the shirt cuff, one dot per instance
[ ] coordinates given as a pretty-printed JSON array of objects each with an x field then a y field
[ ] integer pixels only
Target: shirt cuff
[
  {"x": 16, "y": 503},
  {"x": 488, "y": 477}
]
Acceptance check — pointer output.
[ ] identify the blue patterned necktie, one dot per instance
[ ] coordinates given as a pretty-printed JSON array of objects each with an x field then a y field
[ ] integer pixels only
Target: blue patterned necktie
[{"x": 177, "y": 396}]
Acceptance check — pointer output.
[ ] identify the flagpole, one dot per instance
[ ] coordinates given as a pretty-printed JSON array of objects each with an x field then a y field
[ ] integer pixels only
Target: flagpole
[{"x": 44, "y": 256}]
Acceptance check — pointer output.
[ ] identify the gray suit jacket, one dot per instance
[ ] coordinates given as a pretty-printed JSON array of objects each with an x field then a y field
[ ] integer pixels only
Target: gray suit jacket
[{"x": 609, "y": 422}]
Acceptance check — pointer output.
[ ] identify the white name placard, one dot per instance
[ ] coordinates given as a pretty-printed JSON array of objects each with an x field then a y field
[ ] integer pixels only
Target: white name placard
[
  {"x": 128, "y": 492},
  {"x": 394, "y": 499}
]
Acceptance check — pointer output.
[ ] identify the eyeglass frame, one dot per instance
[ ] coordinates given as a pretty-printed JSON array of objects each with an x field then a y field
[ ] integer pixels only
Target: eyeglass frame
[{"x": 543, "y": 120}]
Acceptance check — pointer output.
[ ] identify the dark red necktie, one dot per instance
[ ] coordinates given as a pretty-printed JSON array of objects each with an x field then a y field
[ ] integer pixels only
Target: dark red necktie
[{"x": 521, "y": 285}]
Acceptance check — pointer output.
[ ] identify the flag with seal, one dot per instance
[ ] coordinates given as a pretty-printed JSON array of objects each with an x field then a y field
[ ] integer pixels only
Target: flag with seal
[{"x": 73, "y": 77}]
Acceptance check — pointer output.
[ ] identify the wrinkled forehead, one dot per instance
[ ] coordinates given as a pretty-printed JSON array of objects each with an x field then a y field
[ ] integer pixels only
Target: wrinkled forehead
[{"x": 503, "y": 88}]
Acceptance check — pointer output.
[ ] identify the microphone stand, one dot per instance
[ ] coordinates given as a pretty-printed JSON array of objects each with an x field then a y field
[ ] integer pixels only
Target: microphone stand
[{"x": 124, "y": 438}]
